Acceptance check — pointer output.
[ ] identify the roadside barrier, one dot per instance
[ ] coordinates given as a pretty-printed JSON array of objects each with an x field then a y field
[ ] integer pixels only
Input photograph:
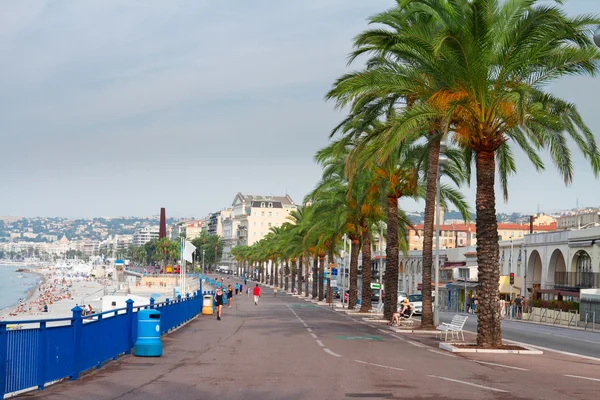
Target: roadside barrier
[{"x": 34, "y": 353}]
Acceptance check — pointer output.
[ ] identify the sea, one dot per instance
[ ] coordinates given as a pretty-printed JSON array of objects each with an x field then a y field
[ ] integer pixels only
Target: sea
[{"x": 15, "y": 285}]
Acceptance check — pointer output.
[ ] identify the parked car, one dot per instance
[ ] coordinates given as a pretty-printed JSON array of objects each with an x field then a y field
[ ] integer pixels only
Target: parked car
[
  {"x": 416, "y": 301},
  {"x": 336, "y": 292}
]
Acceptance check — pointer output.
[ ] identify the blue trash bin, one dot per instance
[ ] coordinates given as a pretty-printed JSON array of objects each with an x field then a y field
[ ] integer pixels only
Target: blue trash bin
[{"x": 148, "y": 342}]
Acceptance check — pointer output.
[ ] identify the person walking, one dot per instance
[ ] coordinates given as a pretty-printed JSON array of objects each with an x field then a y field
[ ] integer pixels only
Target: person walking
[
  {"x": 237, "y": 288},
  {"x": 518, "y": 307},
  {"x": 256, "y": 292},
  {"x": 241, "y": 288},
  {"x": 248, "y": 292},
  {"x": 219, "y": 302},
  {"x": 275, "y": 291},
  {"x": 229, "y": 295}
]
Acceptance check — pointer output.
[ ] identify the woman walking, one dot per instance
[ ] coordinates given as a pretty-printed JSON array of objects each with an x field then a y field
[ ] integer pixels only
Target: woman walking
[
  {"x": 229, "y": 295},
  {"x": 219, "y": 302}
]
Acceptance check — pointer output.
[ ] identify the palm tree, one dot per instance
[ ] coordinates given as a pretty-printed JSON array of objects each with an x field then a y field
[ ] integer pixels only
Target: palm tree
[{"x": 491, "y": 61}]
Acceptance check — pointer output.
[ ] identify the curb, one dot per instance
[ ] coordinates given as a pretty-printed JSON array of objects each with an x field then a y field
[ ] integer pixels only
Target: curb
[
  {"x": 453, "y": 349},
  {"x": 411, "y": 331}
]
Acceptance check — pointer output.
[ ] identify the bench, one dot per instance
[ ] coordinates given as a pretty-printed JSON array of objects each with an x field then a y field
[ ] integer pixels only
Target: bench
[{"x": 454, "y": 327}]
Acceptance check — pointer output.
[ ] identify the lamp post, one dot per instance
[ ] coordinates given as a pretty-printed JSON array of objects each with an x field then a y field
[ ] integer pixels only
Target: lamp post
[
  {"x": 442, "y": 161},
  {"x": 203, "y": 251},
  {"x": 342, "y": 295},
  {"x": 510, "y": 264}
]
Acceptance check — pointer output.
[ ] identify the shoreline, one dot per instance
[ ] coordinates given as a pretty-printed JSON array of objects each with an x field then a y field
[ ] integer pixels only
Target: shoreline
[{"x": 29, "y": 294}]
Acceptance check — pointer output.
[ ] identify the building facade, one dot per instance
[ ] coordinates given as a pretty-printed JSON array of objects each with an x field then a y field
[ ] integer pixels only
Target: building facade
[
  {"x": 256, "y": 215},
  {"x": 144, "y": 235}
]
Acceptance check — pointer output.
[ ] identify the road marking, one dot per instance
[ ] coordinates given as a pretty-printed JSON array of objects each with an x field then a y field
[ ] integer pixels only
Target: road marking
[
  {"x": 469, "y": 383},
  {"x": 313, "y": 335},
  {"x": 415, "y": 344},
  {"x": 362, "y": 362},
  {"x": 386, "y": 366},
  {"x": 384, "y": 331},
  {"x": 399, "y": 338},
  {"x": 305, "y": 324},
  {"x": 370, "y": 326},
  {"x": 557, "y": 335},
  {"x": 442, "y": 353},
  {"x": 583, "y": 377},
  {"x": 331, "y": 352},
  {"x": 309, "y": 329},
  {"x": 566, "y": 353},
  {"x": 320, "y": 343},
  {"x": 500, "y": 365}
]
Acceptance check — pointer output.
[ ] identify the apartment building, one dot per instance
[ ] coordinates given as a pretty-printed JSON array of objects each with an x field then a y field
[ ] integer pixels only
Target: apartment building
[
  {"x": 255, "y": 215},
  {"x": 585, "y": 219},
  {"x": 144, "y": 235},
  {"x": 194, "y": 229}
]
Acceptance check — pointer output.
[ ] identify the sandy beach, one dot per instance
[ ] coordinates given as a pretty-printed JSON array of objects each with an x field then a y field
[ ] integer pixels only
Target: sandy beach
[{"x": 58, "y": 293}]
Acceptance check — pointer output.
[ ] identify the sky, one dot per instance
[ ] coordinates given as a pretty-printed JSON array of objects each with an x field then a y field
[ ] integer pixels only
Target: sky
[{"x": 120, "y": 107}]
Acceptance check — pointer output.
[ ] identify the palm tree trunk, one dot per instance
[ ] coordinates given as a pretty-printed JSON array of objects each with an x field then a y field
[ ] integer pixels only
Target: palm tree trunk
[
  {"x": 273, "y": 272},
  {"x": 365, "y": 301},
  {"x": 354, "y": 250},
  {"x": 391, "y": 259},
  {"x": 300, "y": 266},
  {"x": 321, "y": 275},
  {"x": 293, "y": 275},
  {"x": 276, "y": 272},
  {"x": 489, "y": 334},
  {"x": 434, "y": 156},
  {"x": 315, "y": 275},
  {"x": 306, "y": 275}
]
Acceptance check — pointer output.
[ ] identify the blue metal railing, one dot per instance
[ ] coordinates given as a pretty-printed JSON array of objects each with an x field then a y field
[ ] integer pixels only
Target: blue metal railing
[{"x": 61, "y": 348}]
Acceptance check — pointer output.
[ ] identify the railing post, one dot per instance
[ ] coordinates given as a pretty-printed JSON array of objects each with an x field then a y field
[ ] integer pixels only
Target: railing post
[
  {"x": 3, "y": 358},
  {"x": 152, "y": 300},
  {"x": 129, "y": 303},
  {"x": 77, "y": 327},
  {"x": 42, "y": 353}
]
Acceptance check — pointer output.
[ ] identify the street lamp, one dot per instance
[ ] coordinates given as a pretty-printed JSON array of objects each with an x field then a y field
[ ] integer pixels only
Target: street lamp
[
  {"x": 442, "y": 162},
  {"x": 597, "y": 37},
  {"x": 203, "y": 251}
]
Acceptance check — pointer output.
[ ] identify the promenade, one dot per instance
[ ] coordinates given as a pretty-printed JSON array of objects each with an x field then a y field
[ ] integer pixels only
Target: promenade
[{"x": 287, "y": 348}]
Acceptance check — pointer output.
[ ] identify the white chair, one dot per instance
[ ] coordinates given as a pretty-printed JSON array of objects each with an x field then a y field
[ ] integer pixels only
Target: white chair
[{"x": 454, "y": 327}]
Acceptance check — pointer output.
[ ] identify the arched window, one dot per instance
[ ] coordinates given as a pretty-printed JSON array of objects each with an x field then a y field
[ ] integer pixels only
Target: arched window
[
  {"x": 270, "y": 205},
  {"x": 262, "y": 205},
  {"x": 584, "y": 275}
]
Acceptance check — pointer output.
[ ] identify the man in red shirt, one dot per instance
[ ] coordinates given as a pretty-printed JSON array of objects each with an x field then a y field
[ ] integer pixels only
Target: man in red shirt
[{"x": 256, "y": 294}]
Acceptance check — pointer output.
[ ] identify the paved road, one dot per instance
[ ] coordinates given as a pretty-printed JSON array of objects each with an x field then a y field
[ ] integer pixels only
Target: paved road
[
  {"x": 286, "y": 348},
  {"x": 563, "y": 339}
]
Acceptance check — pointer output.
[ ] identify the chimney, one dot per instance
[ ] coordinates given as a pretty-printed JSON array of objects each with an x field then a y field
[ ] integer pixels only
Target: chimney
[{"x": 162, "y": 232}]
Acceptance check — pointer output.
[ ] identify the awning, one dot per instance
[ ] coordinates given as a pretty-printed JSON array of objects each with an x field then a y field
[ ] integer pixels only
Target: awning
[
  {"x": 450, "y": 265},
  {"x": 558, "y": 292},
  {"x": 505, "y": 287},
  {"x": 462, "y": 285}
]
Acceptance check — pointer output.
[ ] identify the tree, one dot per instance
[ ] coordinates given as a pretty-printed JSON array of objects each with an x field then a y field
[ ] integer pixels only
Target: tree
[{"x": 491, "y": 62}]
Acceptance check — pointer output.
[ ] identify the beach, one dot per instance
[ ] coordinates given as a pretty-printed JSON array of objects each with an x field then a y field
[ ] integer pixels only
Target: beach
[{"x": 54, "y": 296}]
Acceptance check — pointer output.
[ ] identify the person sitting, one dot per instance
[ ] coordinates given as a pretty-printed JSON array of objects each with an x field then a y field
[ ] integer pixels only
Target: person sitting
[{"x": 406, "y": 310}]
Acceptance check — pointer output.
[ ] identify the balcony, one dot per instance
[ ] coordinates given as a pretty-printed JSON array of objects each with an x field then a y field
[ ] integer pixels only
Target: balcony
[{"x": 579, "y": 280}]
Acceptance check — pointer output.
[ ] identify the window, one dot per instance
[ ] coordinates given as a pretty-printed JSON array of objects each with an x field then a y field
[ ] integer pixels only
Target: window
[
  {"x": 255, "y": 224},
  {"x": 277, "y": 214},
  {"x": 262, "y": 205},
  {"x": 269, "y": 224},
  {"x": 270, "y": 214},
  {"x": 520, "y": 234},
  {"x": 262, "y": 213},
  {"x": 270, "y": 205},
  {"x": 463, "y": 273}
]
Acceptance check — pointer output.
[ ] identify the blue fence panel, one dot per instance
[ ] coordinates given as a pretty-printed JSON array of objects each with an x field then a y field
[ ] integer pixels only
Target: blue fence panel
[
  {"x": 22, "y": 359},
  {"x": 60, "y": 353},
  {"x": 36, "y": 356}
]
